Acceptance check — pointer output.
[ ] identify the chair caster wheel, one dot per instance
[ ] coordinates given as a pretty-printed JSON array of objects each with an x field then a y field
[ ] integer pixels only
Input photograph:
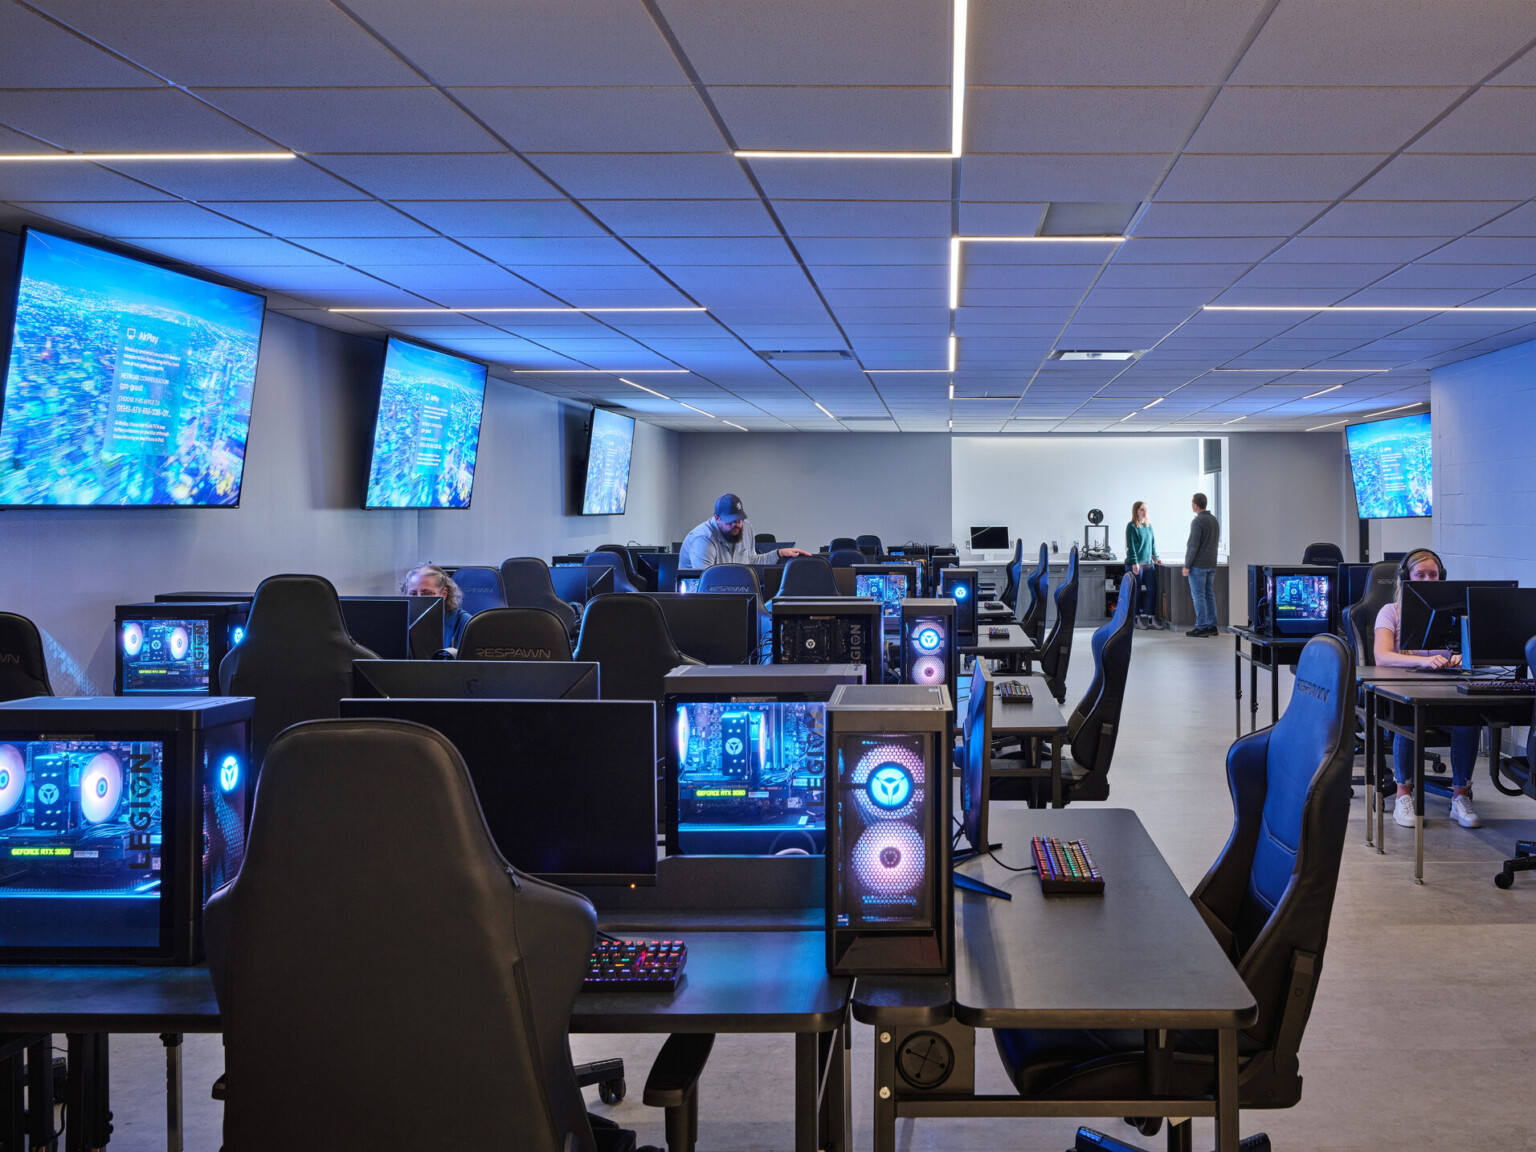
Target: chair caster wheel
[
  {"x": 1503, "y": 880},
  {"x": 611, "y": 1091}
]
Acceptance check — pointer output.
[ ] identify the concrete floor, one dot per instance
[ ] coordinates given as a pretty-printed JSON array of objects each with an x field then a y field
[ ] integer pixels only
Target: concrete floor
[{"x": 1422, "y": 1035}]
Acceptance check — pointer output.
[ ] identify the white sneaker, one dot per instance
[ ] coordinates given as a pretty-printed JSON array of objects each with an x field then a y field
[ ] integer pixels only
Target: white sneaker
[
  {"x": 1402, "y": 812},
  {"x": 1463, "y": 813}
]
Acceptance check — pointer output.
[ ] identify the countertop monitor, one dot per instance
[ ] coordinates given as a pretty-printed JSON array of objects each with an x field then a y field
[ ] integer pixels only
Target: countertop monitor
[
  {"x": 989, "y": 539},
  {"x": 128, "y": 385},
  {"x": 427, "y": 432},
  {"x": 475, "y": 679}
]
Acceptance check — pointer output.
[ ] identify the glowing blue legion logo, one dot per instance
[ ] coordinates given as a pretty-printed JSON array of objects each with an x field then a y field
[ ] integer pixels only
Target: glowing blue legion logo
[
  {"x": 239, "y": 635},
  {"x": 733, "y": 746},
  {"x": 229, "y": 774},
  {"x": 48, "y": 794},
  {"x": 929, "y": 639},
  {"x": 889, "y": 786},
  {"x": 959, "y": 591}
]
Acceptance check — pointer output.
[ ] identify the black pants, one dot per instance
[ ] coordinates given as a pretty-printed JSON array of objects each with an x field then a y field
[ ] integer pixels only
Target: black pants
[{"x": 1146, "y": 591}]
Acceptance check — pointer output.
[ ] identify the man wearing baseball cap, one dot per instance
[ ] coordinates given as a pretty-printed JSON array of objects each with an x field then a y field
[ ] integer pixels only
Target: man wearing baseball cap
[{"x": 727, "y": 538}]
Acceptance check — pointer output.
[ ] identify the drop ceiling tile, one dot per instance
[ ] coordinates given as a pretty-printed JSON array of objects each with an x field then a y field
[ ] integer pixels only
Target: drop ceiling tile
[
  {"x": 211, "y": 180},
  {"x": 1121, "y": 275},
  {"x": 854, "y": 179},
  {"x": 883, "y": 119},
  {"x": 458, "y": 175},
  {"x": 127, "y": 221},
  {"x": 125, "y": 120},
  {"x": 1356, "y": 249},
  {"x": 295, "y": 219},
  {"x": 437, "y": 279},
  {"x": 684, "y": 218},
  {"x": 671, "y": 119},
  {"x": 1412, "y": 297},
  {"x": 773, "y": 42},
  {"x": 533, "y": 252},
  {"x": 302, "y": 280},
  {"x": 651, "y": 176},
  {"x": 386, "y": 120},
  {"x": 537, "y": 42},
  {"x": 563, "y": 280},
  {"x": 1365, "y": 217},
  {"x": 1060, "y": 177},
  {"x": 235, "y": 252},
  {"x": 1089, "y": 120},
  {"x": 1486, "y": 277},
  {"x": 731, "y": 251},
  {"x": 502, "y": 217},
  {"x": 1231, "y": 250},
  {"x": 1486, "y": 250},
  {"x": 1320, "y": 42},
  {"x": 894, "y": 218},
  {"x": 1323, "y": 276},
  {"x": 1167, "y": 219},
  {"x": 430, "y": 250},
  {"x": 929, "y": 276},
  {"x": 873, "y": 252},
  {"x": 54, "y": 58},
  {"x": 1318, "y": 120},
  {"x": 1001, "y": 219},
  {"x": 1520, "y": 222},
  {"x": 1109, "y": 43},
  {"x": 1431, "y": 177},
  {"x": 1290, "y": 177}
]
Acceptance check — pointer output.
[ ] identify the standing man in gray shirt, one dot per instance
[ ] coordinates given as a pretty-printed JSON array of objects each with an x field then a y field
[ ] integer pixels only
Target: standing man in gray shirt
[
  {"x": 1200, "y": 566},
  {"x": 727, "y": 538}
]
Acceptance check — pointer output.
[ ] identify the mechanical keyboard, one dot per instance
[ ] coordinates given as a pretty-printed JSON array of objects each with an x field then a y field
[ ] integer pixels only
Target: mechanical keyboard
[
  {"x": 635, "y": 965},
  {"x": 1497, "y": 687},
  {"x": 1065, "y": 867},
  {"x": 994, "y": 606},
  {"x": 1090, "y": 1140},
  {"x": 997, "y": 633},
  {"x": 1014, "y": 692}
]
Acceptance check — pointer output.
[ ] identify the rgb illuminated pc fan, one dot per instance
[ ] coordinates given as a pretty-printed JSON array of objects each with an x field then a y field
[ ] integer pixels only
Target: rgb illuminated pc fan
[{"x": 925, "y": 662}]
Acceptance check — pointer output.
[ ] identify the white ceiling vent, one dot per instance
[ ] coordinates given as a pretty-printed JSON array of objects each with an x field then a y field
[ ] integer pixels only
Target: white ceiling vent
[{"x": 807, "y": 354}]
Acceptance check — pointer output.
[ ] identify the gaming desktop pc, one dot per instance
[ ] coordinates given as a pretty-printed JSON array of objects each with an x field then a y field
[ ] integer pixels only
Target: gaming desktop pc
[
  {"x": 887, "y": 584},
  {"x": 962, "y": 586},
  {"x": 928, "y": 655},
  {"x": 889, "y": 906},
  {"x": 118, "y": 818},
  {"x": 746, "y": 757},
  {"x": 174, "y": 648},
  {"x": 841, "y": 630},
  {"x": 1295, "y": 601}
]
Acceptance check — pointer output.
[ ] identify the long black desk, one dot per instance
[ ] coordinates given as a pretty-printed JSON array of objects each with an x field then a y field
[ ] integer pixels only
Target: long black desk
[
  {"x": 1137, "y": 957},
  {"x": 1038, "y": 719},
  {"x": 734, "y": 982},
  {"x": 1016, "y": 651},
  {"x": 1269, "y": 652}
]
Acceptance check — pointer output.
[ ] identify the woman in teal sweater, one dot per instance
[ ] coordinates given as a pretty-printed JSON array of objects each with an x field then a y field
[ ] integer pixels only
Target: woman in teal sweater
[{"x": 1142, "y": 559}]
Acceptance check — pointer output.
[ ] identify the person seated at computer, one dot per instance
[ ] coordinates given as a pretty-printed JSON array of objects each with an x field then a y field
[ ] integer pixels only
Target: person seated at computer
[
  {"x": 727, "y": 538},
  {"x": 430, "y": 580},
  {"x": 1422, "y": 564},
  {"x": 1142, "y": 559}
]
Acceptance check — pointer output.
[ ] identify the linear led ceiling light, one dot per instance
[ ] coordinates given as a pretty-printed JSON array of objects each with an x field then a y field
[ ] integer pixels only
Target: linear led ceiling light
[
  {"x": 954, "y": 351},
  {"x": 1426, "y": 308},
  {"x": 643, "y": 388},
  {"x": 1154, "y": 403},
  {"x": 477, "y": 311},
  {"x": 1322, "y": 392},
  {"x": 120, "y": 157},
  {"x": 1287, "y": 371},
  {"x": 1087, "y": 354},
  {"x": 1234, "y": 420},
  {"x": 1399, "y": 408},
  {"x": 700, "y": 411},
  {"x": 732, "y": 423},
  {"x": 828, "y": 415},
  {"x": 902, "y": 371},
  {"x": 600, "y": 371}
]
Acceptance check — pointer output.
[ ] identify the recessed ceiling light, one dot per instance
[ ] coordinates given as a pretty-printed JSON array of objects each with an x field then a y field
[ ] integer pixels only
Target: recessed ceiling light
[
  {"x": 1357, "y": 308},
  {"x": 477, "y": 311},
  {"x": 1234, "y": 420},
  {"x": 951, "y": 390},
  {"x": 1124, "y": 418},
  {"x": 643, "y": 388},
  {"x": 1399, "y": 408},
  {"x": 732, "y": 423},
  {"x": 1154, "y": 403},
  {"x": 1291, "y": 371},
  {"x": 600, "y": 371},
  {"x": 828, "y": 414},
  {"x": 700, "y": 411},
  {"x": 1335, "y": 424},
  {"x": 118, "y": 157},
  {"x": 763, "y": 154},
  {"x": 902, "y": 371},
  {"x": 1322, "y": 392},
  {"x": 1041, "y": 239},
  {"x": 957, "y": 78},
  {"x": 806, "y": 354},
  {"x": 1066, "y": 354},
  {"x": 954, "y": 351}
]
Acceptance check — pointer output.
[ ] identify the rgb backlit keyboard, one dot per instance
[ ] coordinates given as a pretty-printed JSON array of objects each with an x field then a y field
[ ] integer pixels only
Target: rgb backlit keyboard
[
  {"x": 635, "y": 966},
  {"x": 1065, "y": 866}
]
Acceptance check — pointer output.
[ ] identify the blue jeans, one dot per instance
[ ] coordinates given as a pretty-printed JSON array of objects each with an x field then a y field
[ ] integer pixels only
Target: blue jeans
[
  {"x": 1202, "y": 589},
  {"x": 1463, "y": 757},
  {"x": 1146, "y": 590}
]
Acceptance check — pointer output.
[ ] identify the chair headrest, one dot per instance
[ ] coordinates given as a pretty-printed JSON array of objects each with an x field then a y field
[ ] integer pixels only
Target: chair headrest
[
  {"x": 526, "y": 576},
  {"x": 515, "y": 634},
  {"x": 729, "y": 578},
  {"x": 299, "y": 614},
  {"x": 1324, "y": 677},
  {"x": 23, "y": 667}
]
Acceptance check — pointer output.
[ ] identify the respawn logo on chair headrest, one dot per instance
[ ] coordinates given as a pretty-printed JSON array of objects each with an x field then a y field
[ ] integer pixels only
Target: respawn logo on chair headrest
[
  {"x": 1316, "y": 691},
  {"x": 513, "y": 653}
]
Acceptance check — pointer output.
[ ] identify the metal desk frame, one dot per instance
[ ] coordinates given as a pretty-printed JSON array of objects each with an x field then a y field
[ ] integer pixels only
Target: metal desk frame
[{"x": 1271, "y": 652}]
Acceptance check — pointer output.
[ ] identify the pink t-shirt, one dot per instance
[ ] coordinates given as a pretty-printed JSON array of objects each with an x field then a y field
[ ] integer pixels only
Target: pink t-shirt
[{"x": 1388, "y": 618}]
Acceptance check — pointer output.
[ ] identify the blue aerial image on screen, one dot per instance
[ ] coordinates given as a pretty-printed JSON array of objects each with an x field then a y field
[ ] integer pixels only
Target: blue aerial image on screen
[
  {"x": 1391, "y": 465},
  {"x": 128, "y": 384},
  {"x": 428, "y": 430},
  {"x": 608, "y": 453}
]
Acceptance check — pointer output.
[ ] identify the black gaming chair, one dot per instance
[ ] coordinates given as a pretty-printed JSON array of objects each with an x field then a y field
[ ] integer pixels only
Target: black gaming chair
[
  {"x": 296, "y": 658},
  {"x": 526, "y": 584},
  {"x": 481, "y": 588},
  {"x": 1518, "y": 770},
  {"x": 808, "y": 576},
  {"x": 632, "y": 568},
  {"x": 1360, "y": 636},
  {"x": 628, "y": 638},
  {"x": 846, "y": 557},
  {"x": 385, "y": 978},
  {"x": 1268, "y": 899},
  {"x": 739, "y": 578},
  {"x": 23, "y": 669},
  {"x": 1056, "y": 652},
  {"x": 1032, "y": 619},
  {"x": 870, "y": 545},
  {"x": 1094, "y": 723},
  {"x": 1015, "y": 574},
  {"x": 515, "y": 634},
  {"x": 765, "y": 538},
  {"x": 1329, "y": 554},
  {"x": 844, "y": 542},
  {"x": 621, "y": 580}
]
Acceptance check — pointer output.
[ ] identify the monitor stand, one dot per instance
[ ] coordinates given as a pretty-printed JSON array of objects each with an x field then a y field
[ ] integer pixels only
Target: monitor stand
[{"x": 970, "y": 884}]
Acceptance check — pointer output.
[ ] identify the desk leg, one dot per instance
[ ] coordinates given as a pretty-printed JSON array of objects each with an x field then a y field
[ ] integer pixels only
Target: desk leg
[
  {"x": 1368, "y": 705},
  {"x": 1227, "y": 1127},
  {"x": 885, "y": 1091},
  {"x": 13, "y": 1110},
  {"x": 90, "y": 1121},
  {"x": 1253, "y": 694},
  {"x": 1381, "y": 800},
  {"x": 1274, "y": 688},
  {"x": 173, "y": 1125},
  {"x": 1418, "y": 795},
  {"x": 1237, "y": 680},
  {"x": 807, "y": 1084},
  {"x": 1056, "y": 801},
  {"x": 40, "y": 1091}
]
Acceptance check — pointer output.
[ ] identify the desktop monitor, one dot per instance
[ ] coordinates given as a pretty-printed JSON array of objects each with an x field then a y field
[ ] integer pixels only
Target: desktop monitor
[
  {"x": 664, "y": 565},
  {"x": 686, "y": 582},
  {"x": 1496, "y": 627},
  {"x": 889, "y": 587},
  {"x": 129, "y": 385},
  {"x": 989, "y": 539},
  {"x": 1390, "y": 461},
  {"x": 976, "y": 761},
  {"x": 427, "y": 431},
  {"x": 395, "y": 627},
  {"x": 715, "y": 627},
  {"x": 610, "y": 444},
  {"x": 1354, "y": 580},
  {"x": 568, "y": 787},
  {"x": 174, "y": 648},
  {"x": 476, "y": 679},
  {"x": 1431, "y": 610}
]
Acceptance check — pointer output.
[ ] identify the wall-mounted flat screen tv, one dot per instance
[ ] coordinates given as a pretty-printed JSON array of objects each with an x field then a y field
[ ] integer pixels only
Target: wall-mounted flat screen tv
[
  {"x": 1390, "y": 460},
  {"x": 127, "y": 385},
  {"x": 427, "y": 433},
  {"x": 610, "y": 446}
]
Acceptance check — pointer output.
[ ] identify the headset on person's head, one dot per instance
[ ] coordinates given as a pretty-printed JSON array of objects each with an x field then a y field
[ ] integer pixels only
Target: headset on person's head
[{"x": 1413, "y": 557}]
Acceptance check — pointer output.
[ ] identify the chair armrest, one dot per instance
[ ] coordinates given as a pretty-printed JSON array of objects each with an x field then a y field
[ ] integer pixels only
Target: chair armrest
[{"x": 675, "y": 1073}]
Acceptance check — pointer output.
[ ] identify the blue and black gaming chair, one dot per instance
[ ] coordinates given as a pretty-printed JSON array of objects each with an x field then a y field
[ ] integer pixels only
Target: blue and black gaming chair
[
  {"x": 1015, "y": 573},
  {"x": 481, "y": 588},
  {"x": 1268, "y": 900},
  {"x": 1038, "y": 582},
  {"x": 808, "y": 576}
]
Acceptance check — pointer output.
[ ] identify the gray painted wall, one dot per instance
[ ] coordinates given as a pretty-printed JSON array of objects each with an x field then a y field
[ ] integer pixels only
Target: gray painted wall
[
  {"x": 811, "y": 486},
  {"x": 300, "y": 509},
  {"x": 1485, "y": 465},
  {"x": 1286, "y": 490}
]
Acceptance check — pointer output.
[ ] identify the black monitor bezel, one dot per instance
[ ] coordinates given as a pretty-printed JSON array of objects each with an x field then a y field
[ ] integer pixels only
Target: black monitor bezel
[
  {"x": 586, "y": 473},
  {"x": 1428, "y": 618},
  {"x": 1354, "y": 488},
  {"x": 1502, "y": 631}
]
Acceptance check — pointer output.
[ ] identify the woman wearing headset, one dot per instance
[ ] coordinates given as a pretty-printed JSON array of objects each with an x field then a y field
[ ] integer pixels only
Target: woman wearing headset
[{"x": 1422, "y": 564}]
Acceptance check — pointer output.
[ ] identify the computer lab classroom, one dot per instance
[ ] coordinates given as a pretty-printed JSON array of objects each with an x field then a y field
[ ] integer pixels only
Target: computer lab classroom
[{"x": 378, "y": 769}]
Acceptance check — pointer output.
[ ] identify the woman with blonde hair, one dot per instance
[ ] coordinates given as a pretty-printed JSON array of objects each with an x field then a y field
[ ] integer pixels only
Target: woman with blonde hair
[
  {"x": 430, "y": 580},
  {"x": 1141, "y": 559}
]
